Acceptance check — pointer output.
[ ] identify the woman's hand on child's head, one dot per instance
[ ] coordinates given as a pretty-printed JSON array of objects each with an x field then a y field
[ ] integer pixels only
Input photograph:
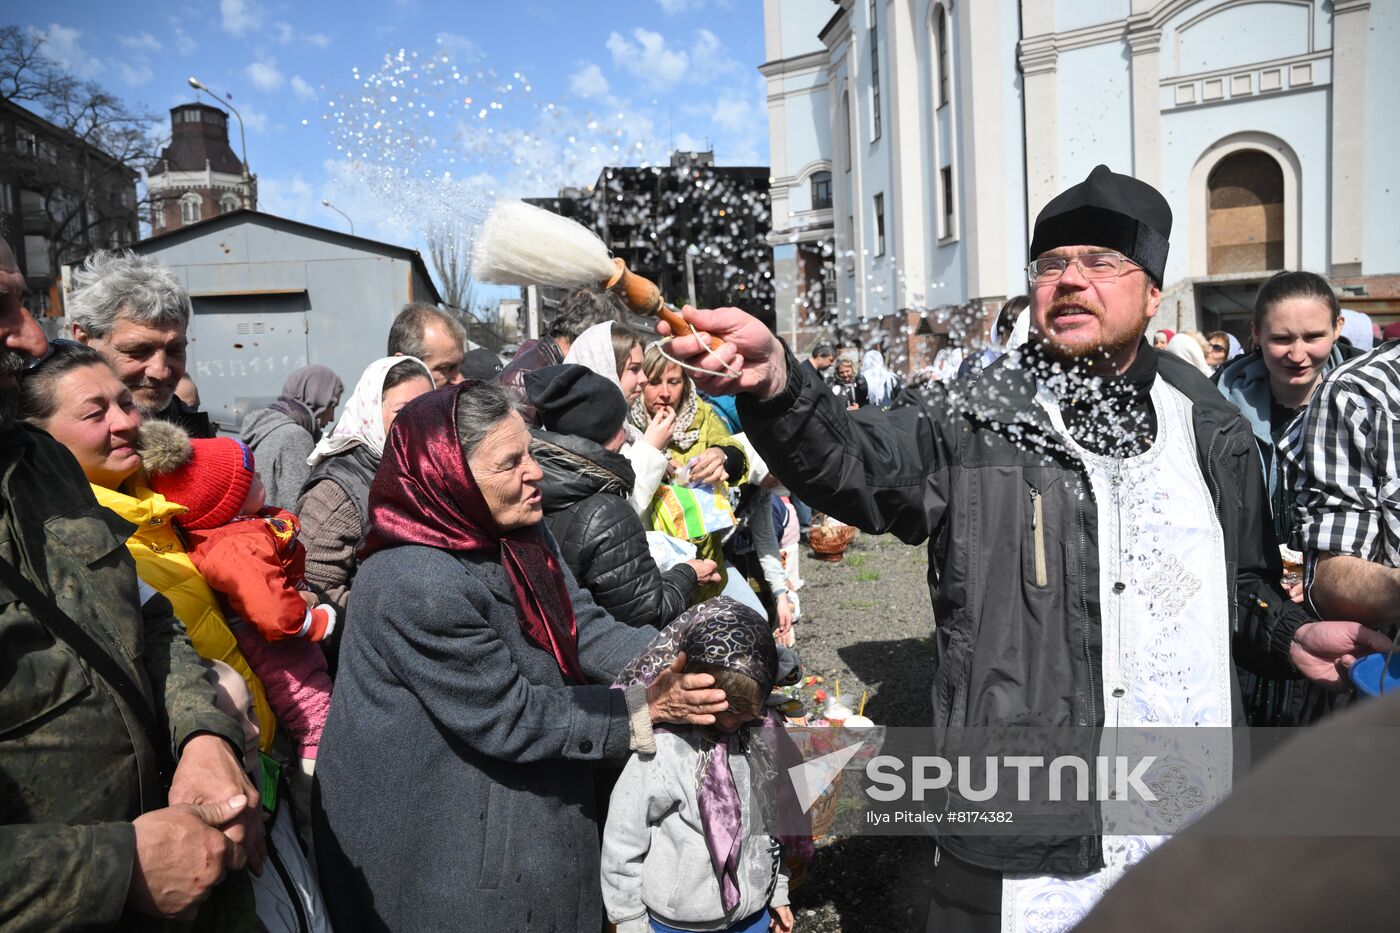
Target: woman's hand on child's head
[
  {"x": 677, "y": 697},
  {"x": 782, "y": 919}
]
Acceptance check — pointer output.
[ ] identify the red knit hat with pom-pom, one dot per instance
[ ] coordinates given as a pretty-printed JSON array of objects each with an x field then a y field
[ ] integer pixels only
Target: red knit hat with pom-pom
[{"x": 209, "y": 477}]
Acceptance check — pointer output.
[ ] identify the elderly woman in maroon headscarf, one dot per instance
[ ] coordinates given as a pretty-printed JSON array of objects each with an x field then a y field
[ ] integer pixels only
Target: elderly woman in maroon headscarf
[{"x": 473, "y": 698}]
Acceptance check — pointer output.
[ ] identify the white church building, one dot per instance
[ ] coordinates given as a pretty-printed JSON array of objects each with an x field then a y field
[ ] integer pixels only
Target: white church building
[{"x": 913, "y": 142}]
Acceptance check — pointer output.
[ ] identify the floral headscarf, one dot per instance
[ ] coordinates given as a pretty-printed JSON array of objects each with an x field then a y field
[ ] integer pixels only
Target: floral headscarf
[{"x": 362, "y": 422}]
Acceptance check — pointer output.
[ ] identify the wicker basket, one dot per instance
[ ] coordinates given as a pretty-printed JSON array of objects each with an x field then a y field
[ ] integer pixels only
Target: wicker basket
[
  {"x": 823, "y": 812},
  {"x": 829, "y": 542}
]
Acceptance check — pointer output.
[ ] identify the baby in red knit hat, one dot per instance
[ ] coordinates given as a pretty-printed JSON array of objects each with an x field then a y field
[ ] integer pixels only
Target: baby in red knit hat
[{"x": 251, "y": 557}]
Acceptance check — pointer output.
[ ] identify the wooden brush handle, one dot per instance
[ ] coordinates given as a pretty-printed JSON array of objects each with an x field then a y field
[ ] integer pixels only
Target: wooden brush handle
[
  {"x": 643, "y": 297},
  {"x": 681, "y": 328}
]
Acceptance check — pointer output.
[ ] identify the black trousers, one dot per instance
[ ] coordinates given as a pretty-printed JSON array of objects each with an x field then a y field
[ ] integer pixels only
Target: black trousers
[{"x": 966, "y": 899}]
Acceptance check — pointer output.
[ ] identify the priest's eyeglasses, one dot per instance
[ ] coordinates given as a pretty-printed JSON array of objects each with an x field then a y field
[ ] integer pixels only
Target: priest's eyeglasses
[{"x": 1091, "y": 266}]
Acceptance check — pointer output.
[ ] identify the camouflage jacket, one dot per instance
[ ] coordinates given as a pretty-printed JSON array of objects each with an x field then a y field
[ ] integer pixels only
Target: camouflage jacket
[{"x": 75, "y": 765}]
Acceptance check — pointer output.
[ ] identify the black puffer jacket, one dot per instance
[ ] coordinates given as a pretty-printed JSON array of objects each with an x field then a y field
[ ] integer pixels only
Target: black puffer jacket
[
  {"x": 979, "y": 472},
  {"x": 585, "y": 490}
]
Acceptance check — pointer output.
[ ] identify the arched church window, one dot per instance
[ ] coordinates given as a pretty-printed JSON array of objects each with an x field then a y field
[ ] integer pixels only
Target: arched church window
[{"x": 1244, "y": 220}]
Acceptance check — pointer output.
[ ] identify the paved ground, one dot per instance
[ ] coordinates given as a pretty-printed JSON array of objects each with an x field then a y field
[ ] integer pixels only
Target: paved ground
[{"x": 868, "y": 622}]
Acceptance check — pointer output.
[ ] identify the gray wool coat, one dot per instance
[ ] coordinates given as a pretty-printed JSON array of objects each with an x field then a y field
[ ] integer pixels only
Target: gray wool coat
[
  {"x": 280, "y": 447},
  {"x": 454, "y": 787}
]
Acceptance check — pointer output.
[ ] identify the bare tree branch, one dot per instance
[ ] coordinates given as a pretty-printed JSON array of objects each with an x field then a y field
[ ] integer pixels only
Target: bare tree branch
[
  {"x": 82, "y": 174},
  {"x": 450, "y": 252}
]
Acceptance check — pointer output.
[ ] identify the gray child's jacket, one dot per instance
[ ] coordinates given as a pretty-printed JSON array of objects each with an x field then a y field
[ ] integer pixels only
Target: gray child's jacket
[{"x": 655, "y": 862}]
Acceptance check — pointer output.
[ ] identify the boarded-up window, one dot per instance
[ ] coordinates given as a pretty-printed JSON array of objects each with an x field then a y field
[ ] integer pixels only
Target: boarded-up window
[{"x": 1244, "y": 228}]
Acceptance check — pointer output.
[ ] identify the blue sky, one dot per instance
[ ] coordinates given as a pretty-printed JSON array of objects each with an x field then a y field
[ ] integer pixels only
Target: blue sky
[{"x": 415, "y": 113}]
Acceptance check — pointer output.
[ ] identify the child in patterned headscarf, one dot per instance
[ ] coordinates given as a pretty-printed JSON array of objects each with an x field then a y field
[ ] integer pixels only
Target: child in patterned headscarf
[{"x": 683, "y": 844}]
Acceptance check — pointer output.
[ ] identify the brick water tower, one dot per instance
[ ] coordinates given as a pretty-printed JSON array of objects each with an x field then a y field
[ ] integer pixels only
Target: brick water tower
[{"x": 198, "y": 176}]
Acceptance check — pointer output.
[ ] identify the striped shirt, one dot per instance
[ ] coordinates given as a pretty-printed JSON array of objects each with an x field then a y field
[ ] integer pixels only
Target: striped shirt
[{"x": 1343, "y": 462}]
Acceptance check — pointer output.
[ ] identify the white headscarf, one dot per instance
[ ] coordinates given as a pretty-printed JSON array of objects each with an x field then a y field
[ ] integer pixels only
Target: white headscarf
[
  {"x": 1356, "y": 327},
  {"x": 1184, "y": 346},
  {"x": 1021, "y": 330},
  {"x": 362, "y": 422},
  {"x": 1235, "y": 348},
  {"x": 593, "y": 348},
  {"x": 878, "y": 379}
]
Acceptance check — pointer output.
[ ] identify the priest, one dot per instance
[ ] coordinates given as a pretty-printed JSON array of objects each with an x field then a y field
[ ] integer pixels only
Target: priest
[{"x": 1098, "y": 530}]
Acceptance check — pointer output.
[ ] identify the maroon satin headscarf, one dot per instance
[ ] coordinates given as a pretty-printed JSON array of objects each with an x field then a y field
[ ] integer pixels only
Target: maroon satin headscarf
[{"x": 424, "y": 493}]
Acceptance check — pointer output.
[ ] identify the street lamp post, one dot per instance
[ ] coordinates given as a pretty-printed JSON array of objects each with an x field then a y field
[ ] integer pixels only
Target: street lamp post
[
  {"x": 327, "y": 203},
  {"x": 248, "y": 201}
]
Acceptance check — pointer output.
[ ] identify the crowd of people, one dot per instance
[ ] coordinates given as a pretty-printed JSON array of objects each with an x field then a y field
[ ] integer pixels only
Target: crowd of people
[
  {"x": 304, "y": 608},
  {"x": 495, "y": 639}
]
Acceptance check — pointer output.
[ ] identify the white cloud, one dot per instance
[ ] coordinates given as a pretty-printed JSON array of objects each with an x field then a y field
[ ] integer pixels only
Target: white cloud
[
  {"x": 285, "y": 34},
  {"x": 707, "y": 46},
  {"x": 677, "y": 7},
  {"x": 240, "y": 17},
  {"x": 301, "y": 89},
  {"x": 62, "y": 44},
  {"x": 265, "y": 75},
  {"x": 661, "y": 64},
  {"x": 710, "y": 58},
  {"x": 650, "y": 58},
  {"x": 588, "y": 81},
  {"x": 299, "y": 198},
  {"x": 184, "y": 44},
  {"x": 733, "y": 113},
  {"x": 135, "y": 73},
  {"x": 255, "y": 120},
  {"x": 457, "y": 44},
  {"x": 145, "y": 42},
  {"x": 291, "y": 197},
  {"x": 684, "y": 142}
]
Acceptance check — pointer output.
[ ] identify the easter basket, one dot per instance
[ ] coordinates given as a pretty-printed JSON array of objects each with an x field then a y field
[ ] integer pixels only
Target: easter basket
[{"x": 830, "y": 538}]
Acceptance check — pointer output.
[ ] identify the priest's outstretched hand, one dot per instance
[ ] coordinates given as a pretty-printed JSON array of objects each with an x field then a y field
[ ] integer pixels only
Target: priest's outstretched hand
[
  {"x": 749, "y": 349},
  {"x": 1323, "y": 652}
]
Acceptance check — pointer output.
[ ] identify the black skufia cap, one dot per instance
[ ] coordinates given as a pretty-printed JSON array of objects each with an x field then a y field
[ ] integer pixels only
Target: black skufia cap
[{"x": 1114, "y": 211}]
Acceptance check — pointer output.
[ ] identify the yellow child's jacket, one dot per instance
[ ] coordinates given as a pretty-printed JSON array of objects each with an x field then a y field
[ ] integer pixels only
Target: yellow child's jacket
[{"x": 161, "y": 562}]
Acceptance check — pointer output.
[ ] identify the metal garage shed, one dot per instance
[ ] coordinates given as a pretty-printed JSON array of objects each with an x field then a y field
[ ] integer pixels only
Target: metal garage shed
[{"x": 271, "y": 294}]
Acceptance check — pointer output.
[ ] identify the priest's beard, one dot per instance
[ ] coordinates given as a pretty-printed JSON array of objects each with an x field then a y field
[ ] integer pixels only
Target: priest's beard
[{"x": 1095, "y": 355}]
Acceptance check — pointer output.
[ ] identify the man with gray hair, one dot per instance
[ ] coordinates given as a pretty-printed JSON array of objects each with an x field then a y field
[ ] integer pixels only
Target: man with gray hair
[
  {"x": 433, "y": 336},
  {"x": 135, "y": 312}
]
